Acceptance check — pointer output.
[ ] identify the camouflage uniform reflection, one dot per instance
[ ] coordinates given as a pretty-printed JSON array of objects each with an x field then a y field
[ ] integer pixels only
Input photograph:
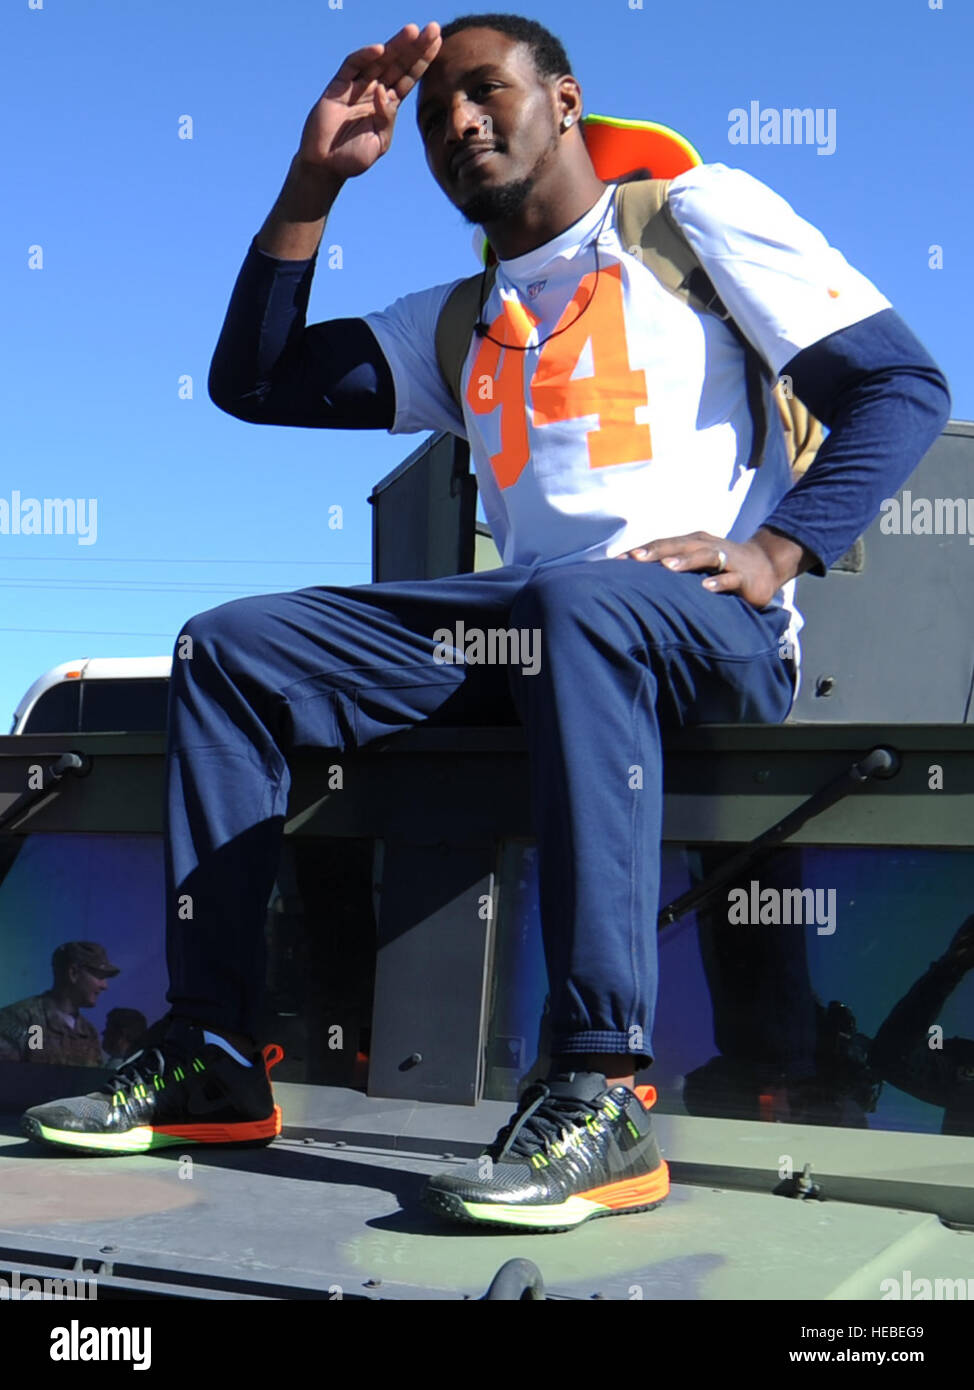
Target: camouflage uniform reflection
[{"x": 49, "y": 1028}]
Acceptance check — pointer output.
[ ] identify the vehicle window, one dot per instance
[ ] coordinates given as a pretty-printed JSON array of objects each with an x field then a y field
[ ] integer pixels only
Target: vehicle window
[
  {"x": 109, "y": 889},
  {"x": 57, "y": 889},
  {"x": 123, "y": 706},
  {"x": 56, "y": 711},
  {"x": 850, "y": 1007}
]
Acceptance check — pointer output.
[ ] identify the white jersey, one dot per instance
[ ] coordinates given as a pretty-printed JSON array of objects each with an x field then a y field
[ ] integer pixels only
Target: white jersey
[{"x": 631, "y": 424}]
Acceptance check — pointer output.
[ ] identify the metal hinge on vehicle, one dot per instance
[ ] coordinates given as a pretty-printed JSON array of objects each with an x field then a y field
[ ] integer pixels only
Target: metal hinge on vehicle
[
  {"x": 48, "y": 785},
  {"x": 880, "y": 763},
  {"x": 800, "y": 1185}
]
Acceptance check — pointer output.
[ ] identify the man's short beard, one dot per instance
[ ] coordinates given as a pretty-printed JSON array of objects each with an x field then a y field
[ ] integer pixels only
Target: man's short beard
[{"x": 497, "y": 204}]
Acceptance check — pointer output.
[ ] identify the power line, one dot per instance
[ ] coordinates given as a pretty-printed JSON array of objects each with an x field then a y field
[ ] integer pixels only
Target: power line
[
  {"x": 90, "y": 632},
  {"x": 134, "y": 586},
  {"x": 159, "y": 560}
]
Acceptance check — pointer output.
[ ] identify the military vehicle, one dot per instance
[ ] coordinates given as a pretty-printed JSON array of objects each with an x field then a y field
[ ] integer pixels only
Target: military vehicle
[{"x": 815, "y": 1071}]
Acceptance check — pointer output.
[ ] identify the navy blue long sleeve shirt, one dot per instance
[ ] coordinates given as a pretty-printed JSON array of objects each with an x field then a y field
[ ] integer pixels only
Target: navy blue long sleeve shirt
[{"x": 874, "y": 385}]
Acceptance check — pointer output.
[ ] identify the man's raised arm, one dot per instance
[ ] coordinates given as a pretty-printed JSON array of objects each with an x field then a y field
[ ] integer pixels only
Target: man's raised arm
[{"x": 268, "y": 366}]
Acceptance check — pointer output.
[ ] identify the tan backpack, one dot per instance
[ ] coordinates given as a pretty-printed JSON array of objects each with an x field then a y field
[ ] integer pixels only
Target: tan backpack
[{"x": 648, "y": 230}]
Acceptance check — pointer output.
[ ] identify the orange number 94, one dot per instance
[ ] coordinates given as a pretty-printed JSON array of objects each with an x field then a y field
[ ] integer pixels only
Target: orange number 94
[{"x": 613, "y": 392}]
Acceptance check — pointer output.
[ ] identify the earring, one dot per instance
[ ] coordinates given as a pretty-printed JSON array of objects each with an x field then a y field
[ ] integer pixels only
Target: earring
[{"x": 569, "y": 120}]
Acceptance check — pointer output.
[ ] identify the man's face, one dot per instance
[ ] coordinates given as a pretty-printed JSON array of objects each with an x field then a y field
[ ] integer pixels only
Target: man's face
[
  {"x": 86, "y": 985},
  {"x": 489, "y": 123}
]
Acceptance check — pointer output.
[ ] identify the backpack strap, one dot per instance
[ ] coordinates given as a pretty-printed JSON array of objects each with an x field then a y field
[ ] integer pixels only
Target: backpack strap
[
  {"x": 803, "y": 433},
  {"x": 455, "y": 326},
  {"x": 649, "y": 231}
]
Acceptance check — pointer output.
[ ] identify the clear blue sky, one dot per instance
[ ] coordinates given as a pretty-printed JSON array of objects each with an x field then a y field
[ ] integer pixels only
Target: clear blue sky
[{"x": 143, "y": 234}]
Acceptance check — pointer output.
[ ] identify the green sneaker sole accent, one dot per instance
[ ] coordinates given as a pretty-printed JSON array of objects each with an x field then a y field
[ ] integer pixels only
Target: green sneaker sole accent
[
  {"x": 131, "y": 1141},
  {"x": 572, "y": 1212},
  {"x": 564, "y": 1216}
]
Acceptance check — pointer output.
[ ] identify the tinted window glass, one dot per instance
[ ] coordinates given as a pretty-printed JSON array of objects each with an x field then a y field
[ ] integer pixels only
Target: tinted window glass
[
  {"x": 56, "y": 712},
  {"x": 123, "y": 706},
  {"x": 109, "y": 889},
  {"x": 56, "y": 889},
  {"x": 851, "y": 1005}
]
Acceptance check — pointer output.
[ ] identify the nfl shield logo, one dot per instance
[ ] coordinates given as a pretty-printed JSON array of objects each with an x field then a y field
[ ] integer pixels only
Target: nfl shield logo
[{"x": 535, "y": 288}]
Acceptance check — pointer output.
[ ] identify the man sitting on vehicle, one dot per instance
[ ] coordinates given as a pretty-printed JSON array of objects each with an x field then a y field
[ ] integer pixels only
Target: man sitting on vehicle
[{"x": 610, "y": 428}]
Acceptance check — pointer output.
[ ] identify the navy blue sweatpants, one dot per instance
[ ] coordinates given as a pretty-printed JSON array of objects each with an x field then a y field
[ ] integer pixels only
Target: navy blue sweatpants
[{"x": 627, "y": 648}]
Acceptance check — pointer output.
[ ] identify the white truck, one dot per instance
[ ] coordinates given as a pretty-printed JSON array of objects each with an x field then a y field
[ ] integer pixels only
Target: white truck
[{"x": 102, "y": 694}]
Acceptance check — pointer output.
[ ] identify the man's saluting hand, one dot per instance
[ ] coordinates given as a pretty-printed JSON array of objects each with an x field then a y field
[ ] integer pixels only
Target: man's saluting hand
[{"x": 350, "y": 126}]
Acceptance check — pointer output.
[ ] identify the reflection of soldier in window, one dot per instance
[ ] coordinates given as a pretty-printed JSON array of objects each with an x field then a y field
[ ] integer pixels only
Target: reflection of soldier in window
[
  {"x": 122, "y": 1034},
  {"x": 902, "y": 1051},
  {"x": 49, "y": 1027}
]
